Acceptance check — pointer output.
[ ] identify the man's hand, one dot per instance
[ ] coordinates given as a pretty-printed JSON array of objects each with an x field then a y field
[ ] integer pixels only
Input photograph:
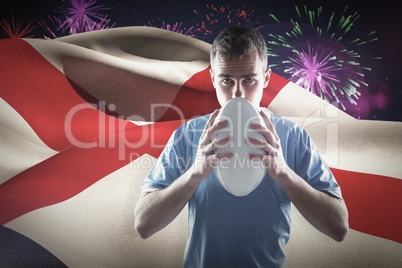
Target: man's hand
[
  {"x": 206, "y": 157},
  {"x": 273, "y": 159}
]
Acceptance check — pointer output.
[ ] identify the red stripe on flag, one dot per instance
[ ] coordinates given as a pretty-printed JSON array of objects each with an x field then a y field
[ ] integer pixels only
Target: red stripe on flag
[
  {"x": 40, "y": 93},
  {"x": 75, "y": 169},
  {"x": 374, "y": 203}
]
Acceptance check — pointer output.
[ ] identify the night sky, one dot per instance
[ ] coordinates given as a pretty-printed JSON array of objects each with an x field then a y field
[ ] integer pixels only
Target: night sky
[{"x": 379, "y": 92}]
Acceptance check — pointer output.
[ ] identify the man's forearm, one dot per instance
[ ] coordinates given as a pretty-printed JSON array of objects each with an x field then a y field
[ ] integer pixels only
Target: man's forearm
[
  {"x": 326, "y": 213},
  {"x": 157, "y": 209}
]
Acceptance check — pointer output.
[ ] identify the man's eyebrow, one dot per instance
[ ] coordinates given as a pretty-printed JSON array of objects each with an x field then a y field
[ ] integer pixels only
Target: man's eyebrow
[{"x": 247, "y": 75}]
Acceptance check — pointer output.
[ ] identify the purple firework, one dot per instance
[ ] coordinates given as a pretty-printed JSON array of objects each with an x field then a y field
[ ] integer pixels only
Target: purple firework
[
  {"x": 315, "y": 69},
  {"x": 54, "y": 28},
  {"x": 81, "y": 15},
  {"x": 103, "y": 24}
]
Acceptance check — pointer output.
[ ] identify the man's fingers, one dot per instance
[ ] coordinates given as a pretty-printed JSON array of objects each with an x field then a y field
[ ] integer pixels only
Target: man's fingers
[
  {"x": 210, "y": 122},
  {"x": 226, "y": 155},
  {"x": 261, "y": 145},
  {"x": 218, "y": 144},
  {"x": 268, "y": 161},
  {"x": 210, "y": 132},
  {"x": 259, "y": 157},
  {"x": 266, "y": 133},
  {"x": 265, "y": 113},
  {"x": 220, "y": 156},
  {"x": 211, "y": 119}
]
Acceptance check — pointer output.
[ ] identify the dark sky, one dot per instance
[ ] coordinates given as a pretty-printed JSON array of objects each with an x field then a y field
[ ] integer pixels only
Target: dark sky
[
  {"x": 131, "y": 13},
  {"x": 384, "y": 78}
]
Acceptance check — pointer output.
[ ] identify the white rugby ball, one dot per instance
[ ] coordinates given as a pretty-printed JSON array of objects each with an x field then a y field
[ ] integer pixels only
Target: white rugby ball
[{"x": 239, "y": 175}]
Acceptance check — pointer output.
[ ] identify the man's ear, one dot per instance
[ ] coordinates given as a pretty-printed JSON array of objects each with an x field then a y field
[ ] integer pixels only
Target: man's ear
[
  {"x": 211, "y": 73},
  {"x": 267, "y": 76}
]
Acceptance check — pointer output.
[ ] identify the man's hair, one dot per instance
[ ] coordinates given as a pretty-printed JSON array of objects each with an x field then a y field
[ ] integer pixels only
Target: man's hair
[{"x": 234, "y": 42}]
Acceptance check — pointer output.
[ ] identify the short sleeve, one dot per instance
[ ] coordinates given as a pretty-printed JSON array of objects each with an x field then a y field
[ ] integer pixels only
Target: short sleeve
[
  {"x": 167, "y": 168},
  {"x": 311, "y": 167}
]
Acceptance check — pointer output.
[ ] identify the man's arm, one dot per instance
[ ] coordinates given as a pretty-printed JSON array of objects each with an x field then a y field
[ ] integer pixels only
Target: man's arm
[
  {"x": 326, "y": 213},
  {"x": 155, "y": 210}
]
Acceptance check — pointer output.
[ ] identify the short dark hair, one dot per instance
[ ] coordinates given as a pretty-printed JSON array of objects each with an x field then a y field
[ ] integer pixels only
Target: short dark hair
[{"x": 234, "y": 42}]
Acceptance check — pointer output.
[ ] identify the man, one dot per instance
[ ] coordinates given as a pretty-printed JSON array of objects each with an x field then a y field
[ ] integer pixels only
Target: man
[{"x": 249, "y": 231}]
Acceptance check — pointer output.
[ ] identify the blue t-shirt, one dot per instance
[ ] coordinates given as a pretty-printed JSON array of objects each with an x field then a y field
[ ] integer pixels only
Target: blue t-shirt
[{"x": 230, "y": 231}]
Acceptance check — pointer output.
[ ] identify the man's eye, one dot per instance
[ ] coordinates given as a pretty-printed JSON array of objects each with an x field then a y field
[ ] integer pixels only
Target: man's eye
[
  {"x": 249, "y": 80},
  {"x": 226, "y": 81}
]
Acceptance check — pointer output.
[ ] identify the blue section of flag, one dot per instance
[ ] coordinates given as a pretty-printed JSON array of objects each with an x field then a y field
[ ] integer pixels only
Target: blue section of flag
[{"x": 16, "y": 250}]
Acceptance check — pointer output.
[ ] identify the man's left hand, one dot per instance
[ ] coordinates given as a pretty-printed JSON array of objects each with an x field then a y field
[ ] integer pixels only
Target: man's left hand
[{"x": 273, "y": 159}]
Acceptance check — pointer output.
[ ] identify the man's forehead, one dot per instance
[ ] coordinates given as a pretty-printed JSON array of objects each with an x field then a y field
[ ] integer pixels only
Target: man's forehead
[
  {"x": 223, "y": 57},
  {"x": 247, "y": 65}
]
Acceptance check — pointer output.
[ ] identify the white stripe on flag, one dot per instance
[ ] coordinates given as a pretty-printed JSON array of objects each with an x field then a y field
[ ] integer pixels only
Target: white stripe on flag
[
  {"x": 20, "y": 147},
  {"x": 366, "y": 146},
  {"x": 295, "y": 101}
]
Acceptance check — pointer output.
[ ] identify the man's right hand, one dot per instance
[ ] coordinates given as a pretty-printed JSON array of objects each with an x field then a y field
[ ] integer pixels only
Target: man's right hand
[{"x": 206, "y": 157}]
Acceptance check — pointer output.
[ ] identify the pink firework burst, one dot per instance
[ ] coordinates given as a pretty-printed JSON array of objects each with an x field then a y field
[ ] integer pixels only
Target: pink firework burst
[
  {"x": 103, "y": 24},
  {"x": 219, "y": 18},
  {"x": 315, "y": 70},
  {"x": 15, "y": 28},
  {"x": 82, "y": 15},
  {"x": 54, "y": 28}
]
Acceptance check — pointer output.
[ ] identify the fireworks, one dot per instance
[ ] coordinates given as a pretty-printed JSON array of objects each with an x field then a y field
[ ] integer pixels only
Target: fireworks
[
  {"x": 55, "y": 28},
  {"x": 82, "y": 16},
  {"x": 313, "y": 54},
  {"x": 175, "y": 28},
  {"x": 15, "y": 29},
  {"x": 221, "y": 17},
  {"x": 313, "y": 69},
  {"x": 95, "y": 26}
]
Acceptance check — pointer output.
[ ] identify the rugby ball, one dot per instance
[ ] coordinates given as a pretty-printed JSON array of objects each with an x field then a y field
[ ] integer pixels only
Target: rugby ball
[{"x": 239, "y": 175}]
